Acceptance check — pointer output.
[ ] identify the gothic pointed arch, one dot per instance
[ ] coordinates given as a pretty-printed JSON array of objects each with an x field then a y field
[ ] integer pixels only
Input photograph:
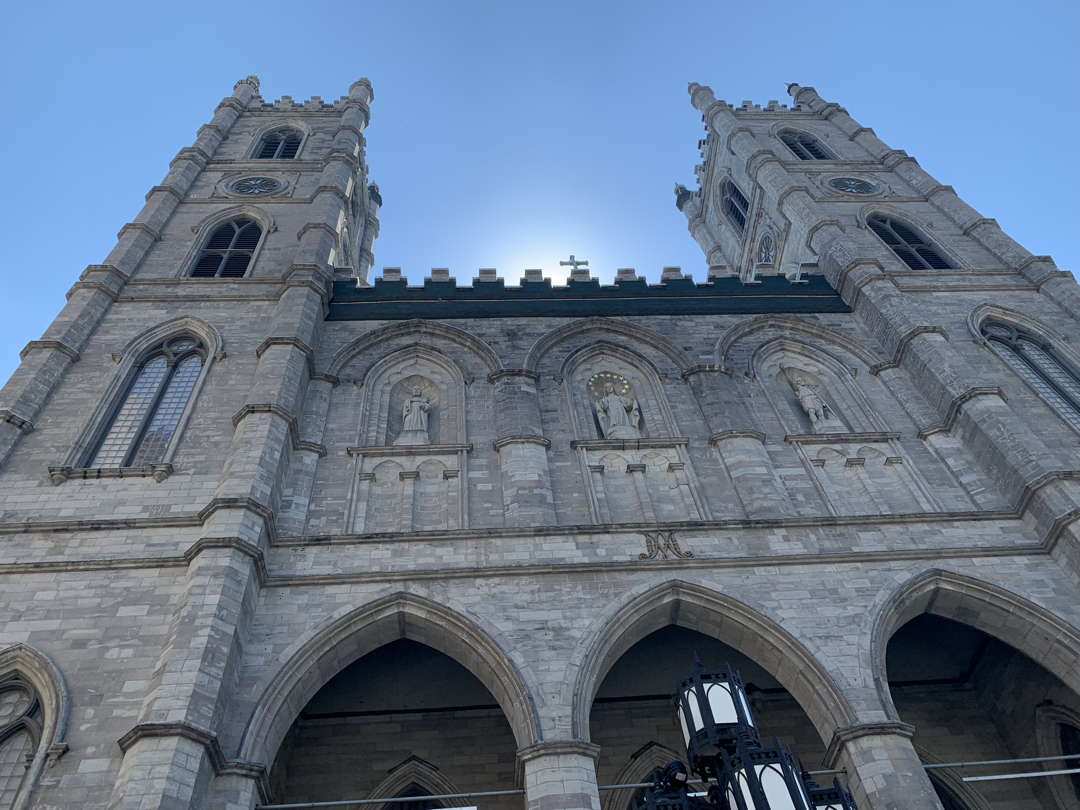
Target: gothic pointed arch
[
  {"x": 317, "y": 656},
  {"x": 428, "y": 332},
  {"x": 648, "y": 758},
  {"x": 633, "y": 371},
  {"x": 623, "y": 332},
  {"x": 1033, "y": 630},
  {"x": 386, "y": 381},
  {"x": 211, "y": 348},
  {"x": 206, "y": 229},
  {"x": 793, "y": 662},
  {"x": 27, "y": 670},
  {"x": 788, "y": 324},
  {"x": 948, "y": 783},
  {"x": 413, "y": 772}
]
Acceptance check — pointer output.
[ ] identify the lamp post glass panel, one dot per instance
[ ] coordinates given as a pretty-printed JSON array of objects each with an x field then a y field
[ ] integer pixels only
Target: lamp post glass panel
[{"x": 723, "y": 744}]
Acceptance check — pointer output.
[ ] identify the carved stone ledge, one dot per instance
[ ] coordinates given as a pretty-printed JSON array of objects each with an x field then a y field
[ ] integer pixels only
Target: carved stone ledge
[
  {"x": 902, "y": 344},
  {"x": 56, "y": 752},
  {"x": 139, "y": 226},
  {"x": 723, "y": 435},
  {"x": 957, "y": 404},
  {"x": 159, "y": 472},
  {"x": 56, "y": 345},
  {"x": 411, "y": 450},
  {"x": 499, "y": 444},
  {"x": 628, "y": 444},
  {"x": 838, "y": 438},
  {"x": 22, "y": 424}
]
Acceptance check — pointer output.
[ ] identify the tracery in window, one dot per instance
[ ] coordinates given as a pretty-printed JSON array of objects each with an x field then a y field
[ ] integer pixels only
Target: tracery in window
[
  {"x": 20, "y": 733},
  {"x": 908, "y": 244},
  {"x": 280, "y": 145},
  {"x": 228, "y": 251},
  {"x": 146, "y": 421},
  {"x": 734, "y": 205},
  {"x": 1040, "y": 367},
  {"x": 804, "y": 146},
  {"x": 766, "y": 250}
]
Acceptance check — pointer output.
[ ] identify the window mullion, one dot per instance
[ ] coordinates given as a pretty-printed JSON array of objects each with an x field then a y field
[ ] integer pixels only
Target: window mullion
[{"x": 149, "y": 415}]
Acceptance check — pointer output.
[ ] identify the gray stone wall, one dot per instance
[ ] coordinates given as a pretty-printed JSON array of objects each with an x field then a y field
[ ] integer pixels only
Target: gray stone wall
[{"x": 174, "y": 626}]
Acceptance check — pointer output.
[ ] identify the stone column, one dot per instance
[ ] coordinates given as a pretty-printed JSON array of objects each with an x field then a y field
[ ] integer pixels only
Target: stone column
[
  {"x": 883, "y": 770},
  {"x": 522, "y": 448},
  {"x": 559, "y": 776}
]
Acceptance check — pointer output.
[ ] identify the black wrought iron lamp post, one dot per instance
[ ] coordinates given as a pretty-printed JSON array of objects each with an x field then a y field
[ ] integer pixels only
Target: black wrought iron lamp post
[{"x": 723, "y": 745}]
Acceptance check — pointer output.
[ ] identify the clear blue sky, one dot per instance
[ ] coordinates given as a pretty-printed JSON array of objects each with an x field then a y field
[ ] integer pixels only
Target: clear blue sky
[{"x": 510, "y": 135}]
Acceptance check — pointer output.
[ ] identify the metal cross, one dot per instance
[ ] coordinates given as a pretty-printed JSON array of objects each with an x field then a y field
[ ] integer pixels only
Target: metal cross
[{"x": 574, "y": 263}]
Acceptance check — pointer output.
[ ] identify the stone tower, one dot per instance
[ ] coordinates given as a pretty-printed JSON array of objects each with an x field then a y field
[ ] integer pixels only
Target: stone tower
[{"x": 275, "y": 533}]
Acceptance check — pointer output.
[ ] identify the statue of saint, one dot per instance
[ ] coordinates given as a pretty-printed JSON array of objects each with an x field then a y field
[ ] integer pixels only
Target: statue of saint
[
  {"x": 619, "y": 416},
  {"x": 821, "y": 418},
  {"x": 414, "y": 418}
]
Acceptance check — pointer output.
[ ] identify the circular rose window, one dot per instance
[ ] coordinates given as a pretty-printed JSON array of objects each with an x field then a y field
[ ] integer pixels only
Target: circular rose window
[
  {"x": 256, "y": 185},
  {"x": 852, "y": 185}
]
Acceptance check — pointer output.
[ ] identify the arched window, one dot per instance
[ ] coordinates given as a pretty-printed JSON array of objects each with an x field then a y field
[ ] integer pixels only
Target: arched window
[
  {"x": 734, "y": 204},
  {"x": 804, "y": 146},
  {"x": 146, "y": 420},
  {"x": 908, "y": 244},
  {"x": 20, "y": 735},
  {"x": 1035, "y": 361},
  {"x": 766, "y": 250},
  {"x": 228, "y": 251},
  {"x": 280, "y": 145},
  {"x": 1070, "y": 744},
  {"x": 948, "y": 799}
]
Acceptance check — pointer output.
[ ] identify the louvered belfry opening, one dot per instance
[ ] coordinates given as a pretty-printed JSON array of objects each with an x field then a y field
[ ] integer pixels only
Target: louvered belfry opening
[
  {"x": 228, "y": 251},
  {"x": 804, "y": 146},
  {"x": 908, "y": 244},
  {"x": 281, "y": 145},
  {"x": 735, "y": 205}
]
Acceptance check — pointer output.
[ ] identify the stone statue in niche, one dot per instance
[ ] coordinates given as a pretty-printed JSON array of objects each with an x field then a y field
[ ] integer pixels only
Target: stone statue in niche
[
  {"x": 414, "y": 418},
  {"x": 822, "y": 419},
  {"x": 619, "y": 415}
]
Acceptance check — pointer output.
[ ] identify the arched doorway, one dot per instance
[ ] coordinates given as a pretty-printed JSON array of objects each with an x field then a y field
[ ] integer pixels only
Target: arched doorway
[
  {"x": 404, "y": 720},
  {"x": 633, "y": 720},
  {"x": 972, "y": 697}
]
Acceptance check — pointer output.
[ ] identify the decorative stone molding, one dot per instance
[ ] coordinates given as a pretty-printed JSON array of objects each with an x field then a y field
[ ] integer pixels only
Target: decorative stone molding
[
  {"x": 902, "y": 344},
  {"x": 556, "y": 748},
  {"x": 410, "y": 450},
  {"x": 56, "y": 345},
  {"x": 499, "y": 444},
  {"x": 836, "y": 438},
  {"x": 23, "y": 425},
  {"x": 745, "y": 433},
  {"x": 956, "y": 404},
  {"x": 495, "y": 376},
  {"x": 159, "y": 472},
  {"x": 289, "y": 418},
  {"x": 842, "y": 736},
  {"x": 627, "y": 444},
  {"x": 710, "y": 367}
]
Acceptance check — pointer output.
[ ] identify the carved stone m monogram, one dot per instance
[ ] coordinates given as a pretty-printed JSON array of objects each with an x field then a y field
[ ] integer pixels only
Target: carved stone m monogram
[{"x": 660, "y": 543}]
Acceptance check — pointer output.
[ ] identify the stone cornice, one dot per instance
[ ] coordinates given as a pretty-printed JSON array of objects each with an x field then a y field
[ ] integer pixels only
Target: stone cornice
[
  {"x": 410, "y": 450},
  {"x": 829, "y": 438},
  {"x": 628, "y": 444}
]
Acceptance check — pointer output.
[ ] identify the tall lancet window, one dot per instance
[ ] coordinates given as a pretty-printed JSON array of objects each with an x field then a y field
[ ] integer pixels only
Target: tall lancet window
[
  {"x": 20, "y": 733},
  {"x": 1035, "y": 361},
  {"x": 146, "y": 421},
  {"x": 908, "y": 244}
]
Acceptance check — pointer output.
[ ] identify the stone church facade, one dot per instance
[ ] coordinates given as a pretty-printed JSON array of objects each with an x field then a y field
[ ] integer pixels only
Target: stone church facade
[{"x": 275, "y": 534}]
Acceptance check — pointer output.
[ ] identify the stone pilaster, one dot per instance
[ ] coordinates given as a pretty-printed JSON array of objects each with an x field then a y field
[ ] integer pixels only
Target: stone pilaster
[
  {"x": 883, "y": 770},
  {"x": 522, "y": 448},
  {"x": 559, "y": 776}
]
